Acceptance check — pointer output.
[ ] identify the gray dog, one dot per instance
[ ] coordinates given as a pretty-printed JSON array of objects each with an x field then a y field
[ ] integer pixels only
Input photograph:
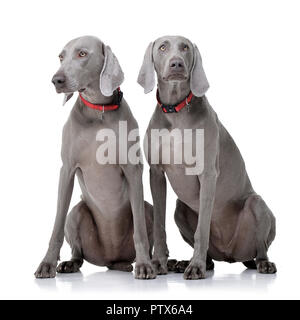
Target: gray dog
[
  {"x": 218, "y": 212},
  {"x": 108, "y": 227}
]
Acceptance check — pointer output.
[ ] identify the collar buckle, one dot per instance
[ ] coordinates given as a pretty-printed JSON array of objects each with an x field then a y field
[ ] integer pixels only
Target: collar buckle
[
  {"x": 169, "y": 108},
  {"x": 120, "y": 97}
]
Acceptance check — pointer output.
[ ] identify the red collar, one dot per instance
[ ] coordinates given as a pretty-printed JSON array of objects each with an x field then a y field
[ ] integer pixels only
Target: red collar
[
  {"x": 104, "y": 107},
  {"x": 174, "y": 108}
]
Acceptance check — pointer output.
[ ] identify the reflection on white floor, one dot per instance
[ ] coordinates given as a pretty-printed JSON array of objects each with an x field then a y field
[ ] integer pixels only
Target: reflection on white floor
[{"x": 121, "y": 285}]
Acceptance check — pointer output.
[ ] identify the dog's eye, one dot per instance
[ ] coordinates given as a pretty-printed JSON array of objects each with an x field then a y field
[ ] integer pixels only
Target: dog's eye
[
  {"x": 162, "y": 48},
  {"x": 61, "y": 57},
  {"x": 82, "y": 54},
  {"x": 185, "y": 48}
]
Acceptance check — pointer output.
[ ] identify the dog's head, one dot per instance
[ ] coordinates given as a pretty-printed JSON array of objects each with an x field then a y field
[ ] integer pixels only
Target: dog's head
[
  {"x": 86, "y": 61},
  {"x": 174, "y": 58}
]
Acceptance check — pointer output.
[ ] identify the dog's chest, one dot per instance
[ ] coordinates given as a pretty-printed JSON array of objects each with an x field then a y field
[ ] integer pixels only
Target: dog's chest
[
  {"x": 179, "y": 150},
  {"x": 101, "y": 175},
  {"x": 180, "y": 146},
  {"x": 186, "y": 187}
]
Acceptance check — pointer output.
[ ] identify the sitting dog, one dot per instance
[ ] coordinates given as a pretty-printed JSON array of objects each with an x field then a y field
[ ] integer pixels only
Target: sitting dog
[
  {"x": 218, "y": 213},
  {"x": 108, "y": 227}
]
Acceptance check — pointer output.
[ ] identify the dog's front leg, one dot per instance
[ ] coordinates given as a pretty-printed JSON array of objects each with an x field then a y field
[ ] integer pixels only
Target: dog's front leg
[
  {"x": 197, "y": 267},
  {"x": 207, "y": 176},
  {"x": 158, "y": 189},
  {"x": 47, "y": 268},
  {"x": 143, "y": 266}
]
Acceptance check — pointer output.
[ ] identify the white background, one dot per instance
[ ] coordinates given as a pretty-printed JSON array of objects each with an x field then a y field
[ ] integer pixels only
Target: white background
[{"x": 251, "y": 54}]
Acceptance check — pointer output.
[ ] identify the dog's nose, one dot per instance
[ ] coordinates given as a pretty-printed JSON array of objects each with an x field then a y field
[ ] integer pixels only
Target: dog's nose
[
  {"x": 176, "y": 64},
  {"x": 59, "y": 80}
]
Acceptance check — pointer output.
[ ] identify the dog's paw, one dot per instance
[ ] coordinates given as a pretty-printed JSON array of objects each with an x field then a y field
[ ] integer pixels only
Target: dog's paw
[
  {"x": 266, "y": 267},
  {"x": 45, "y": 270},
  {"x": 161, "y": 268},
  {"x": 171, "y": 265},
  {"x": 194, "y": 272},
  {"x": 181, "y": 266},
  {"x": 68, "y": 267},
  {"x": 144, "y": 271}
]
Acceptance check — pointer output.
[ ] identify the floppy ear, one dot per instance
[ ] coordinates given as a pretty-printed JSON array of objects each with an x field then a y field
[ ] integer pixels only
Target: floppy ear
[
  {"x": 111, "y": 76},
  {"x": 199, "y": 84},
  {"x": 146, "y": 76},
  {"x": 67, "y": 97}
]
